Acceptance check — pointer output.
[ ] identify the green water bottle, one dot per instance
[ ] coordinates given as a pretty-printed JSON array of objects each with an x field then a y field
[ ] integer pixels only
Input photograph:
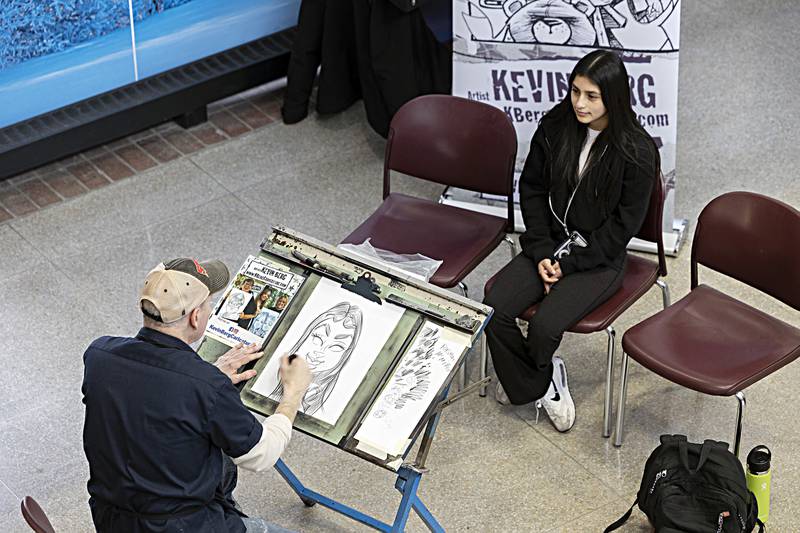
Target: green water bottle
[{"x": 758, "y": 477}]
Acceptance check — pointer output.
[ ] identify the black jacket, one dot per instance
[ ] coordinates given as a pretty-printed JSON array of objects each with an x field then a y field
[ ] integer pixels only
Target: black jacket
[{"x": 607, "y": 226}]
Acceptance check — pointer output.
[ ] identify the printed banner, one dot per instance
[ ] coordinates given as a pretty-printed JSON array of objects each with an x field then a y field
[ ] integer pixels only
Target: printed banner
[
  {"x": 253, "y": 302},
  {"x": 517, "y": 55}
]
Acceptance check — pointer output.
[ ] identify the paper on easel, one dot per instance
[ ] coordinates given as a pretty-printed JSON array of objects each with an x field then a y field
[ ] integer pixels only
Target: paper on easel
[
  {"x": 414, "y": 384},
  {"x": 339, "y": 334},
  {"x": 371, "y": 449},
  {"x": 375, "y": 451}
]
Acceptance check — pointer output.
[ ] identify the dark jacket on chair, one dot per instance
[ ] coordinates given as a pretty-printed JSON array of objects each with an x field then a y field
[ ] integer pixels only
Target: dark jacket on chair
[{"x": 606, "y": 225}]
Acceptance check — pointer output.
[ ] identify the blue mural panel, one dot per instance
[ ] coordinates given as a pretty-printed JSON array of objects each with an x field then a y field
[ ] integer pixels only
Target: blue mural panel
[
  {"x": 205, "y": 27},
  {"x": 57, "y": 52}
]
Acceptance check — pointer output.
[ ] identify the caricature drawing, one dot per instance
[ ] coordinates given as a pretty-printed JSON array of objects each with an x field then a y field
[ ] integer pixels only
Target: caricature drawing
[
  {"x": 233, "y": 305},
  {"x": 326, "y": 344},
  {"x": 606, "y": 23},
  {"x": 413, "y": 378},
  {"x": 263, "y": 322}
]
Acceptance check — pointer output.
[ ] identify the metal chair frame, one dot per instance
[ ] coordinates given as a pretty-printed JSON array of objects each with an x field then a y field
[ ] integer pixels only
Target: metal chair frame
[
  {"x": 739, "y": 395},
  {"x": 610, "y": 355}
]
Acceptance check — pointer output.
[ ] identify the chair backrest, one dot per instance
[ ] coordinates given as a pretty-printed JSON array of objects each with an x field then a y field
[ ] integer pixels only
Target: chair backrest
[
  {"x": 455, "y": 142},
  {"x": 35, "y": 517},
  {"x": 752, "y": 238},
  {"x": 653, "y": 226}
]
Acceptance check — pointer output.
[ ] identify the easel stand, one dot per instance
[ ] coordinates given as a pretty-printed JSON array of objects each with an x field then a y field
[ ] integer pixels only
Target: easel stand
[{"x": 408, "y": 479}]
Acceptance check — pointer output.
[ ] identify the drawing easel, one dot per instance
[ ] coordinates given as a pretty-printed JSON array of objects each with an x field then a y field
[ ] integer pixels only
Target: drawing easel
[{"x": 423, "y": 304}]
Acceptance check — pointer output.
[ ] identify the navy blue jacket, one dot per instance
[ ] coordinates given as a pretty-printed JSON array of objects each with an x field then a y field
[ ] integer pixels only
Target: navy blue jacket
[{"x": 158, "y": 419}]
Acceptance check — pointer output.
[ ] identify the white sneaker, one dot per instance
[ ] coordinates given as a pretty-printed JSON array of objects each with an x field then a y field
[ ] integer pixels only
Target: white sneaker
[
  {"x": 500, "y": 394},
  {"x": 557, "y": 401}
]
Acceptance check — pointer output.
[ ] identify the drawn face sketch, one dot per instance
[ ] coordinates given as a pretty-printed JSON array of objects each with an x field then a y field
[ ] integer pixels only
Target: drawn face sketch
[
  {"x": 233, "y": 304},
  {"x": 326, "y": 344},
  {"x": 263, "y": 322}
]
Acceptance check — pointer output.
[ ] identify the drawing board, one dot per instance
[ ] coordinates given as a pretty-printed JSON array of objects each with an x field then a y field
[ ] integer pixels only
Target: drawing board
[{"x": 339, "y": 334}]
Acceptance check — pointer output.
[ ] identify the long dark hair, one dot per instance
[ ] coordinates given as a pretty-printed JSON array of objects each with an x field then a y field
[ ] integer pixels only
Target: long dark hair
[{"x": 623, "y": 134}]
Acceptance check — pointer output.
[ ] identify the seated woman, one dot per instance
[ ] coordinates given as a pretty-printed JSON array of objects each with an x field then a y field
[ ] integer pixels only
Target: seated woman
[{"x": 590, "y": 170}]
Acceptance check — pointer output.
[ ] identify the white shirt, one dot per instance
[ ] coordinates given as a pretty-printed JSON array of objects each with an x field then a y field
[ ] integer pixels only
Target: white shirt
[
  {"x": 591, "y": 135},
  {"x": 274, "y": 439}
]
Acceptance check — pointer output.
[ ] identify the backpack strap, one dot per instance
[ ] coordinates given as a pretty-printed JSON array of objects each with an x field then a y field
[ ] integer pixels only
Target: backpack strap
[
  {"x": 705, "y": 450},
  {"x": 624, "y": 518}
]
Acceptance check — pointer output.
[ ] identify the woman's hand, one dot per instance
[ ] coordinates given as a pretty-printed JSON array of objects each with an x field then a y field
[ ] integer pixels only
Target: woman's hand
[{"x": 550, "y": 272}]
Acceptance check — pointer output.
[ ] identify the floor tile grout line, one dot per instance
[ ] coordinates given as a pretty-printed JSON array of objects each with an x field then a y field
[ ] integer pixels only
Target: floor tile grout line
[
  {"x": 125, "y": 233},
  {"x": 90, "y": 161},
  {"x": 207, "y": 173},
  {"x": 566, "y": 453},
  {"x": 42, "y": 256},
  {"x": 577, "y": 518},
  {"x": 288, "y": 171},
  {"x": 150, "y": 226},
  {"x": 16, "y": 496}
]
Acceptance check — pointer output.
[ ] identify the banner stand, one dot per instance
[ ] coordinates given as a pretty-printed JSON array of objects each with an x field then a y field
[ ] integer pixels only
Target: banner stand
[{"x": 517, "y": 55}]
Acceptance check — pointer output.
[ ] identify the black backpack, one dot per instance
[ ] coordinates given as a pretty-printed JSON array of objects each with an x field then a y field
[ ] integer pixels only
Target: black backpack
[{"x": 694, "y": 488}]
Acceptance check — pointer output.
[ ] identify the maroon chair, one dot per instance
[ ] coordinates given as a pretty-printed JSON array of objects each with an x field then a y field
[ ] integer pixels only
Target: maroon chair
[
  {"x": 455, "y": 142},
  {"x": 709, "y": 341},
  {"x": 640, "y": 276},
  {"x": 35, "y": 517}
]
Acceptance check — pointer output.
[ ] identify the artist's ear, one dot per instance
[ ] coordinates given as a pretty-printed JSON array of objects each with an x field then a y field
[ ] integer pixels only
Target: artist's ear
[{"x": 193, "y": 317}]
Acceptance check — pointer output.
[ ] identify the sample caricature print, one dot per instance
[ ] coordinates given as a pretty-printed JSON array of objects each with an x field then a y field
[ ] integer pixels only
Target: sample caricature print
[
  {"x": 252, "y": 304},
  {"x": 419, "y": 376}
]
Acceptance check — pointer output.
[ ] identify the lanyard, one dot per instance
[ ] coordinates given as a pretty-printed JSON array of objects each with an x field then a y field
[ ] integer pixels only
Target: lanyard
[{"x": 563, "y": 221}]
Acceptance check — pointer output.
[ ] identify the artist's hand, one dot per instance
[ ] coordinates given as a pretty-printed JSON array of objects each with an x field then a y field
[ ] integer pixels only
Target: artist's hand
[
  {"x": 236, "y": 358},
  {"x": 295, "y": 376},
  {"x": 549, "y": 271}
]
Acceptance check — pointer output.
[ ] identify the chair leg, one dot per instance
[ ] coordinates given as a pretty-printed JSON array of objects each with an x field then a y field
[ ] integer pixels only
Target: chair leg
[
  {"x": 609, "y": 382},
  {"x": 739, "y": 416},
  {"x": 513, "y": 246},
  {"x": 664, "y": 292},
  {"x": 623, "y": 388},
  {"x": 484, "y": 363},
  {"x": 462, "y": 376}
]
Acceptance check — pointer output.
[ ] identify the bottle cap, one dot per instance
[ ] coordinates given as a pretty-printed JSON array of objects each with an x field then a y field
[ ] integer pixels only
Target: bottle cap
[{"x": 758, "y": 460}]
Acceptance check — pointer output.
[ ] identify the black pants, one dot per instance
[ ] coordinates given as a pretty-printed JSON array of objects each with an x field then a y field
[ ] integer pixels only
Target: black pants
[{"x": 525, "y": 366}]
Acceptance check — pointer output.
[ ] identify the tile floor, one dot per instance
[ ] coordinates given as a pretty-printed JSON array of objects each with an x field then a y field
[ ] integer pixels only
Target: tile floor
[{"x": 77, "y": 241}]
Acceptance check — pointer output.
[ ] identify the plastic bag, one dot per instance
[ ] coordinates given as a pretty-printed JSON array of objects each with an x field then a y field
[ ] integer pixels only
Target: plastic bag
[{"x": 415, "y": 265}]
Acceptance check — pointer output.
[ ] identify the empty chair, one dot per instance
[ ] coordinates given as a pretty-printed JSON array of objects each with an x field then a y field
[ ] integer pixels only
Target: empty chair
[
  {"x": 640, "y": 276},
  {"x": 455, "y": 142},
  {"x": 35, "y": 517},
  {"x": 709, "y": 341}
]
